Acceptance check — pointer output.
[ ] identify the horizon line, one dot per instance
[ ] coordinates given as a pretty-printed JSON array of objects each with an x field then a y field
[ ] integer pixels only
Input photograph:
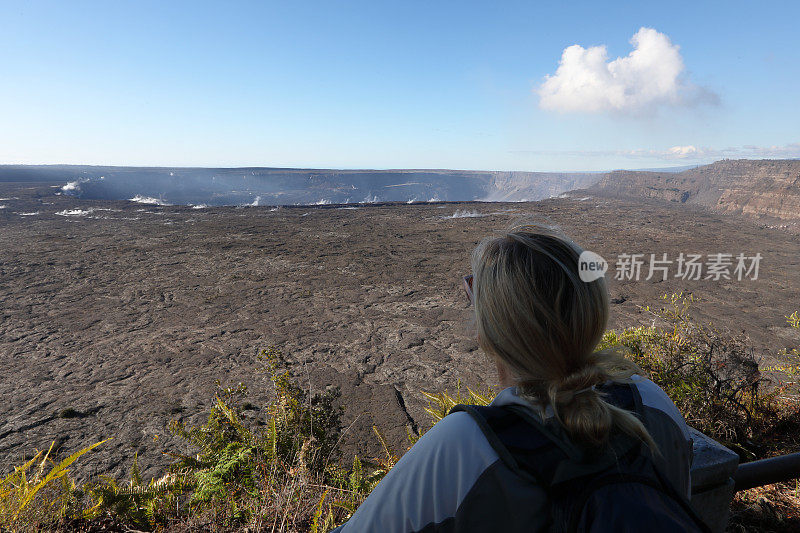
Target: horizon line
[{"x": 362, "y": 169}]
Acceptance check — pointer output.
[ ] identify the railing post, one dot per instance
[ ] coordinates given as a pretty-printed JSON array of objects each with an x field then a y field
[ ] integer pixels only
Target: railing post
[{"x": 713, "y": 468}]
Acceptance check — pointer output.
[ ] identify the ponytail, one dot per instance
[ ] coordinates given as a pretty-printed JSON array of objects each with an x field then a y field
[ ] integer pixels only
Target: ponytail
[{"x": 583, "y": 411}]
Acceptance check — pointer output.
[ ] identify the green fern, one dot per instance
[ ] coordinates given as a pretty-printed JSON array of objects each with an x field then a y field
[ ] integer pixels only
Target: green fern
[
  {"x": 234, "y": 465},
  {"x": 17, "y": 491},
  {"x": 134, "y": 501}
]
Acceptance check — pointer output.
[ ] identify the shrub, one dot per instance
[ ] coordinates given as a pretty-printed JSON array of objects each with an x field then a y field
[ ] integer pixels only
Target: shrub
[
  {"x": 714, "y": 379},
  {"x": 282, "y": 475},
  {"x": 270, "y": 475}
]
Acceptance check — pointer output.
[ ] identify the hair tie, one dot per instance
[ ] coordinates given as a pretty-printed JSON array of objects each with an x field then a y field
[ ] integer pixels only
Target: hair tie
[{"x": 583, "y": 390}]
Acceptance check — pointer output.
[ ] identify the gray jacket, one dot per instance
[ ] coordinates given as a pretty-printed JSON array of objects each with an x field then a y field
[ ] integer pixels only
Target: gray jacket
[{"x": 453, "y": 480}]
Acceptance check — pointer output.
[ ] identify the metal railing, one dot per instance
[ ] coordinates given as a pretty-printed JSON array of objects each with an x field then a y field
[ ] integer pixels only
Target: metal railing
[{"x": 766, "y": 471}]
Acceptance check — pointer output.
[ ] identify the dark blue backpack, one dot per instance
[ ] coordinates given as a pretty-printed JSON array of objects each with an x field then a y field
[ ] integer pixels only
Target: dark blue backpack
[{"x": 617, "y": 489}]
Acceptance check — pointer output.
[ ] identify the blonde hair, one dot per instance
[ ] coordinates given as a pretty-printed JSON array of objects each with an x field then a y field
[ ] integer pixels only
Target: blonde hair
[{"x": 537, "y": 316}]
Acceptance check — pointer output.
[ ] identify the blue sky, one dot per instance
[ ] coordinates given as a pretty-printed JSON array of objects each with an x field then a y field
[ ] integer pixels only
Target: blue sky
[{"x": 336, "y": 84}]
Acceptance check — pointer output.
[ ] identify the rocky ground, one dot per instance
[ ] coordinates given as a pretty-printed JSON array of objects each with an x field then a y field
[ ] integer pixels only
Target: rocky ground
[{"x": 117, "y": 316}]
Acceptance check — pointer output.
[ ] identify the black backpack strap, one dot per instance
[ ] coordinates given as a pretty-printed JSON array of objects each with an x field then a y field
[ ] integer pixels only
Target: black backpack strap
[
  {"x": 623, "y": 395},
  {"x": 482, "y": 415},
  {"x": 527, "y": 449},
  {"x": 682, "y": 499}
]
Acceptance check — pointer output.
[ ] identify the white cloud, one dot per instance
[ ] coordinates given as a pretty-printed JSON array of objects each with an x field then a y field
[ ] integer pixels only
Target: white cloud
[
  {"x": 683, "y": 151},
  {"x": 649, "y": 77},
  {"x": 687, "y": 153},
  {"x": 787, "y": 151}
]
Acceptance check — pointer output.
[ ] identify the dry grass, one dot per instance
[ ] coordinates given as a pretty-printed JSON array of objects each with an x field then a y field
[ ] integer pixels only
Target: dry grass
[{"x": 771, "y": 508}]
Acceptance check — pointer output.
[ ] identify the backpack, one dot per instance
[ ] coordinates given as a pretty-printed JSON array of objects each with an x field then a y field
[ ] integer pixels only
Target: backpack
[{"x": 617, "y": 489}]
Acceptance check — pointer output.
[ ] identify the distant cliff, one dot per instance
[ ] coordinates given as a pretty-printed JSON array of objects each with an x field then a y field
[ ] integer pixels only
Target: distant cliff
[
  {"x": 519, "y": 186},
  {"x": 752, "y": 187}
]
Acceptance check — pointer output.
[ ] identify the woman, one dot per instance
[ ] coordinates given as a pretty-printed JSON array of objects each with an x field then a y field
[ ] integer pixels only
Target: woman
[{"x": 539, "y": 323}]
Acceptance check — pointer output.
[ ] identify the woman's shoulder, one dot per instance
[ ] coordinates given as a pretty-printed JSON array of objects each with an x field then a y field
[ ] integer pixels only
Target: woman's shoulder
[
  {"x": 654, "y": 398},
  {"x": 430, "y": 481},
  {"x": 453, "y": 453},
  {"x": 668, "y": 428},
  {"x": 457, "y": 434}
]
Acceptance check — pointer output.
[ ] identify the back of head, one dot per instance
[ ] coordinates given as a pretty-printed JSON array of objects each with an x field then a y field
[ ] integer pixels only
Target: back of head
[{"x": 536, "y": 316}]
